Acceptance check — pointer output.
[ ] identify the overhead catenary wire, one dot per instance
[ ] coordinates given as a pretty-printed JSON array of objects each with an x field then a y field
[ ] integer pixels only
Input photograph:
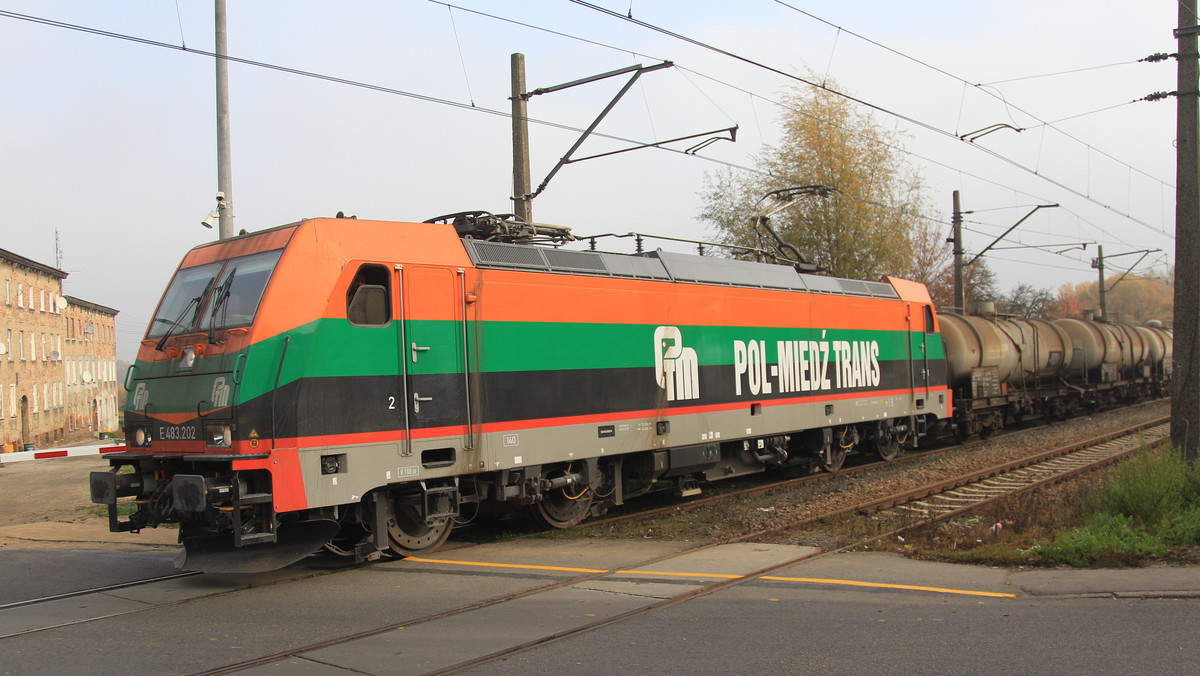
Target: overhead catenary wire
[
  {"x": 980, "y": 87},
  {"x": 368, "y": 86},
  {"x": 1061, "y": 72},
  {"x": 907, "y": 118},
  {"x": 681, "y": 68},
  {"x": 417, "y": 96},
  {"x": 462, "y": 59}
]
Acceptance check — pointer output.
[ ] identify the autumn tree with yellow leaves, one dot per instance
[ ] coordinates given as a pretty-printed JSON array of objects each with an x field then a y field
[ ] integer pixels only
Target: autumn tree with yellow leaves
[{"x": 864, "y": 226}]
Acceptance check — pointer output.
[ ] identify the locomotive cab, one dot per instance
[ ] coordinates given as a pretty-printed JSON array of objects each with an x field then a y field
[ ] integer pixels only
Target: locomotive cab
[{"x": 267, "y": 407}]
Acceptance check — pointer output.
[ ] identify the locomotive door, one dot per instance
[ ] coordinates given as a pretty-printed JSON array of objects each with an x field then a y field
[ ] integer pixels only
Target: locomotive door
[
  {"x": 920, "y": 336},
  {"x": 432, "y": 351}
]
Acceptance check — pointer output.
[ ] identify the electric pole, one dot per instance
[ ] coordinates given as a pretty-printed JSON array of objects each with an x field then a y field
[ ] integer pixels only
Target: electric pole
[
  {"x": 960, "y": 303},
  {"x": 1185, "y": 390},
  {"x": 522, "y": 203},
  {"x": 224, "y": 171},
  {"x": 1099, "y": 264}
]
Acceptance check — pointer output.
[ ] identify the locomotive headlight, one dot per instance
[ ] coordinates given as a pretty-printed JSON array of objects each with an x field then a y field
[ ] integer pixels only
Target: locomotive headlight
[
  {"x": 218, "y": 435},
  {"x": 138, "y": 436}
]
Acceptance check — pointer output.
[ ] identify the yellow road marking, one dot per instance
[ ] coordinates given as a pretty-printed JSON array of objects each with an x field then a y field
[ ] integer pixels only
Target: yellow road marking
[
  {"x": 503, "y": 565},
  {"x": 725, "y": 576},
  {"x": 655, "y": 572},
  {"x": 883, "y": 585}
]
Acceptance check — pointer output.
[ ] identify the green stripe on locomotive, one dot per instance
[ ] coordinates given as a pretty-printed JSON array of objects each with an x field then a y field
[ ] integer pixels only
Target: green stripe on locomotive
[{"x": 333, "y": 348}]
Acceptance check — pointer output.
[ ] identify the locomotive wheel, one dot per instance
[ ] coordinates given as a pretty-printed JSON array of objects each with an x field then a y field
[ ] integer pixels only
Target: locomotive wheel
[
  {"x": 562, "y": 509},
  {"x": 887, "y": 448},
  {"x": 885, "y": 443},
  {"x": 837, "y": 457},
  {"x": 408, "y": 535}
]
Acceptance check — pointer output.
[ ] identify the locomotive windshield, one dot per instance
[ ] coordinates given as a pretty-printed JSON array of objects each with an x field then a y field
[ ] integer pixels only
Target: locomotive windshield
[{"x": 218, "y": 295}]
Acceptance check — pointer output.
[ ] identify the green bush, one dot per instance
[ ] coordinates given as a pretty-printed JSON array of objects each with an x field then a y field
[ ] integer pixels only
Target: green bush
[
  {"x": 1149, "y": 488},
  {"x": 1151, "y": 505}
]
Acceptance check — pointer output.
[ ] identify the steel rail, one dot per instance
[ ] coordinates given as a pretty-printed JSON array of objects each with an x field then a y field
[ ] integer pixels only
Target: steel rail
[
  {"x": 785, "y": 485},
  {"x": 299, "y": 652},
  {"x": 726, "y": 584},
  {"x": 95, "y": 590},
  {"x": 938, "y": 487}
]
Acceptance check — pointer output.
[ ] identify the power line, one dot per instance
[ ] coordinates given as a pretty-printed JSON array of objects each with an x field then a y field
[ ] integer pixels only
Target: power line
[
  {"x": 379, "y": 88},
  {"x": 1061, "y": 72},
  {"x": 964, "y": 81},
  {"x": 898, "y": 115},
  {"x": 464, "y": 106},
  {"x": 780, "y": 104}
]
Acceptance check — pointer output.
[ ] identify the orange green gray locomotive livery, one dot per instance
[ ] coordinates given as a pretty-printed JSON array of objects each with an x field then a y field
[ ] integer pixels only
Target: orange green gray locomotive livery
[{"x": 362, "y": 384}]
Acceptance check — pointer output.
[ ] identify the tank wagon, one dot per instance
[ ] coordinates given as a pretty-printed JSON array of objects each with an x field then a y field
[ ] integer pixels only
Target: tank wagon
[
  {"x": 360, "y": 384},
  {"x": 1003, "y": 366}
]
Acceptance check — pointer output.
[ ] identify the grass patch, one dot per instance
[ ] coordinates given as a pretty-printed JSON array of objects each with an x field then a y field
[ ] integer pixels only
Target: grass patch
[
  {"x": 1149, "y": 510},
  {"x": 123, "y": 509}
]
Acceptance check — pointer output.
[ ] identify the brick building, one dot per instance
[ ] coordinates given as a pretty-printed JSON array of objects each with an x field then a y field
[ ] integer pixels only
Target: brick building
[
  {"x": 90, "y": 367},
  {"x": 38, "y": 403}
]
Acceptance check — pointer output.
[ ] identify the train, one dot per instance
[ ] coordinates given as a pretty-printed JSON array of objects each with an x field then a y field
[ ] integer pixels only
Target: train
[{"x": 363, "y": 385}]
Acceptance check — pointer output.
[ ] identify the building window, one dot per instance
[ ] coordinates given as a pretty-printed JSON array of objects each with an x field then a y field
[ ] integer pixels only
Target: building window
[
  {"x": 8, "y": 292},
  {"x": 42, "y": 300},
  {"x": 44, "y": 357},
  {"x": 35, "y": 408},
  {"x": 21, "y": 343},
  {"x": 20, "y": 294},
  {"x": 8, "y": 344},
  {"x": 45, "y": 396},
  {"x": 12, "y": 401}
]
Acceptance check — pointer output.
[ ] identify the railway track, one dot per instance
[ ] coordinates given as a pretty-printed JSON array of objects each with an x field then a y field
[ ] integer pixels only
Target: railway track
[
  {"x": 949, "y": 498},
  {"x": 774, "y": 487},
  {"x": 1023, "y": 479},
  {"x": 21, "y": 618},
  {"x": 982, "y": 486},
  {"x": 93, "y": 590}
]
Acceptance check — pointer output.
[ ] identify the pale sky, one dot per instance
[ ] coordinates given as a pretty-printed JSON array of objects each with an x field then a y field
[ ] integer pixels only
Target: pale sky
[{"x": 113, "y": 142}]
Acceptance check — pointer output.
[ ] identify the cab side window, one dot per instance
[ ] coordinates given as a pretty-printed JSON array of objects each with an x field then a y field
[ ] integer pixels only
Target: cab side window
[{"x": 368, "y": 299}]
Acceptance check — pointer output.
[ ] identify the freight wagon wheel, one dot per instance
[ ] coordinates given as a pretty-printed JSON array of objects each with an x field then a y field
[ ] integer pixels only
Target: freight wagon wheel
[
  {"x": 563, "y": 507},
  {"x": 408, "y": 535},
  {"x": 962, "y": 432}
]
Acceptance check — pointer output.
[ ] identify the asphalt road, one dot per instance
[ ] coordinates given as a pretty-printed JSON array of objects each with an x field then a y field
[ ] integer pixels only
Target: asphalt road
[
  {"x": 858, "y": 613},
  {"x": 754, "y": 629}
]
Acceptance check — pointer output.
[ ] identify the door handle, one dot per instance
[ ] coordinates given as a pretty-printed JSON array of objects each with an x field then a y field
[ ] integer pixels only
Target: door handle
[
  {"x": 415, "y": 349},
  {"x": 417, "y": 399}
]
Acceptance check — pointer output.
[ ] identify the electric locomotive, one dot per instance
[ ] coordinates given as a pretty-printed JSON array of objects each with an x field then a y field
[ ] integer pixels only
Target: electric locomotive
[{"x": 362, "y": 384}]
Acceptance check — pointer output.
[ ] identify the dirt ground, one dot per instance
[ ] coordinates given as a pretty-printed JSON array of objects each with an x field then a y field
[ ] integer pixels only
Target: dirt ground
[{"x": 47, "y": 504}]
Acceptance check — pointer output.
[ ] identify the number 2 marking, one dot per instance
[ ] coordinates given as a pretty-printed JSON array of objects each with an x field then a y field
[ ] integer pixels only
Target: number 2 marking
[{"x": 391, "y": 403}]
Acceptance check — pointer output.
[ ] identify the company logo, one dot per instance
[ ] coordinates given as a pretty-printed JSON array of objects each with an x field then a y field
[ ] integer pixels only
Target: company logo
[
  {"x": 141, "y": 396},
  {"x": 220, "y": 393},
  {"x": 675, "y": 367}
]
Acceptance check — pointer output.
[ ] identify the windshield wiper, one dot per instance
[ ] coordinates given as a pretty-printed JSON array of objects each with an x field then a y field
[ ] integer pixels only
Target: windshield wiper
[
  {"x": 178, "y": 320},
  {"x": 219, "y": 299}
]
